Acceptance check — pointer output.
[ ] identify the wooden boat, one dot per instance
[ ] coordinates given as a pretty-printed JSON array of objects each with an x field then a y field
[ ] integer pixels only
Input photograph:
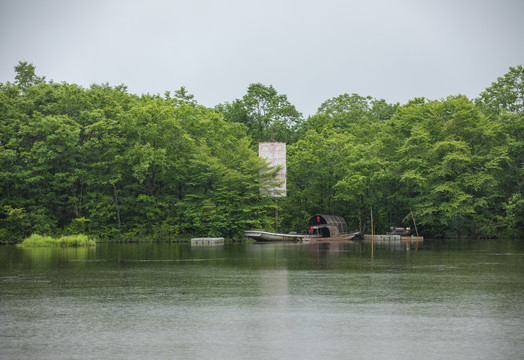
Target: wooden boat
[
  {"x": 270, "y": 236},
  {"x": 320, "y": 228}
]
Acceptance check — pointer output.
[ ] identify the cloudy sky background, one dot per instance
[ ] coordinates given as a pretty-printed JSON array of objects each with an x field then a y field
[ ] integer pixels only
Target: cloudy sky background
[{"x": 309, "y": 50}]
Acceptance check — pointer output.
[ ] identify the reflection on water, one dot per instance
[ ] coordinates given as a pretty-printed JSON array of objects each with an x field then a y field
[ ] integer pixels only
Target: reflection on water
[
  {"x": 264, "y": 301},
  {"x": 47, "y": 256}
]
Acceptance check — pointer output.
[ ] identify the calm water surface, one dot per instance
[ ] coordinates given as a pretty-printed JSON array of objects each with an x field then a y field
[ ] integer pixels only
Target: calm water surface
[{"x": 271, "y": 301}]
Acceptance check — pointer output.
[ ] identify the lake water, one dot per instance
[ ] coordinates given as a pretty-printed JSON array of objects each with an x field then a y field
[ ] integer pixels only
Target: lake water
[{"x": 455, "y": 300}]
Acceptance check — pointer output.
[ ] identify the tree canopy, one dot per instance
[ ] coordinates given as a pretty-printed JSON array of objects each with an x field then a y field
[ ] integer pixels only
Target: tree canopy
[
  {"x": 268, "y": 115},
  {"x": 112, "y": 164}
]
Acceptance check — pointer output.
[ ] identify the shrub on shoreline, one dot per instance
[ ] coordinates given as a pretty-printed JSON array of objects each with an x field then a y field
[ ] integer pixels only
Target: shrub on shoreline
[{"x": 37, "y": 240}]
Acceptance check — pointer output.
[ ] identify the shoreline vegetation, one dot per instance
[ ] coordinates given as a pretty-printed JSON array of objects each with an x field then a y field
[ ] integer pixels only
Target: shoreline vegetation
[
  {"x": 37, "y": 240},
  {"x": 124, "y": 167}
]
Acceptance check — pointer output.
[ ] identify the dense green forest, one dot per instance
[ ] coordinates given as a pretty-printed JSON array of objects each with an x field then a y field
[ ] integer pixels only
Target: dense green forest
[{"x": 119, "y": 166}]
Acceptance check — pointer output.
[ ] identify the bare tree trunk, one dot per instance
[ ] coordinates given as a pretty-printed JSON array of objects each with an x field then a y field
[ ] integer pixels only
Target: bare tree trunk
[{"x": 117, "y": 206}]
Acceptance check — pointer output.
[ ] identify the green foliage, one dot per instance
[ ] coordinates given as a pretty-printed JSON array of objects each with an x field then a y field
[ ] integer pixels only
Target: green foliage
[
  {"x": 25, "y": 75},
  {"x": 268, "y": 116},
  {"x": 36, "y": 240},
  {"x": 503, "y": 103},
  {"x": 455, "y": 166},
  {"x": 14, "y": 224},
  {"x": 506, "y": 94},
  {"x": 114, "y": 165}
]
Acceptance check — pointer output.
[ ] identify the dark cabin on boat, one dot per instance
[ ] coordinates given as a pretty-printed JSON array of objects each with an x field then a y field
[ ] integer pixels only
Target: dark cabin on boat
[{"x": 326, "y": 226}]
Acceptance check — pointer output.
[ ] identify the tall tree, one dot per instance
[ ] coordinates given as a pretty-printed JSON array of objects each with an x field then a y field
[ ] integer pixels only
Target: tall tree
[
  {"x": 506, "y": 94},
  {"x": 268, "y": 115},
  {"x": 503, "y": 102},
  {"x": 26, "y": 76}
]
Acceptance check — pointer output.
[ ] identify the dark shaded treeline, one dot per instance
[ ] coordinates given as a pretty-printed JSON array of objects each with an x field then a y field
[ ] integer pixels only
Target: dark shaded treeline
[{"x": 117, "y": 165}]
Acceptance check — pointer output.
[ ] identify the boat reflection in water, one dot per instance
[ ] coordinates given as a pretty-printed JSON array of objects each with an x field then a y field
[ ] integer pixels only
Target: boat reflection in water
[{"x": 394, "y": 242}]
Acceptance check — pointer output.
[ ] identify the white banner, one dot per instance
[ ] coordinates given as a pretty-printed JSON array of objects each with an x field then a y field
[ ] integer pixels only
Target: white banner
[{"x": 275, "y": 154}]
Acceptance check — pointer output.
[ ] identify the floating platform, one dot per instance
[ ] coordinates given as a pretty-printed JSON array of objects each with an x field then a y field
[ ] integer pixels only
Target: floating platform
[
  {"x": 388, "y": 237},
  {"x": 207, "y": 241}
]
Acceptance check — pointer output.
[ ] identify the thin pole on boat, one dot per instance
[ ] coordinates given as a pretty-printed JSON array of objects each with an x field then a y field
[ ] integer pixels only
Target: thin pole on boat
[
  {"x": 372, "y": 231},
  {"x": 276, "y": 210},
  {"x": 414, "y": 223},
  {"x": 276, "y": 216}
]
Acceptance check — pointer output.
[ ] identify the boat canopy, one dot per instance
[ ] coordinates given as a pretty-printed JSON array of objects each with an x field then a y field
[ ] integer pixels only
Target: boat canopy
[{"x": 326, "y": 225}]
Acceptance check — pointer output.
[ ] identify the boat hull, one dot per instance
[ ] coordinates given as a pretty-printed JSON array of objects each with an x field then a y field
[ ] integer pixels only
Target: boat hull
[{"x": 269, "y": 236}]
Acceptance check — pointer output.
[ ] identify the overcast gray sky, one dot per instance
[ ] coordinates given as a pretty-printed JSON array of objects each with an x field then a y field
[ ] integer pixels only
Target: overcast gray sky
[{"x": 309, "y": 50}]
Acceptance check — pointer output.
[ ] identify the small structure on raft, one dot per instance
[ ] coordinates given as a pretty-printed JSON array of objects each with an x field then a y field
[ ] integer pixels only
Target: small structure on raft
[
  {"x": 319, "y": 228},
  {"x": 326, "y": 226},
  {"x": 395, "y": 233}
]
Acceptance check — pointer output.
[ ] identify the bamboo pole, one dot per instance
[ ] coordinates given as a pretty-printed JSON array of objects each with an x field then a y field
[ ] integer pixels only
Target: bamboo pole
[
  {"x": 276, "y": 216},
  {"x": 372, "y": 237}
]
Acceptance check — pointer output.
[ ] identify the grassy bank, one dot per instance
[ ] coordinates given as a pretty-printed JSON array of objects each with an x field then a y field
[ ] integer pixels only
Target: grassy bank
[{"x": 36, "y": 240}]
